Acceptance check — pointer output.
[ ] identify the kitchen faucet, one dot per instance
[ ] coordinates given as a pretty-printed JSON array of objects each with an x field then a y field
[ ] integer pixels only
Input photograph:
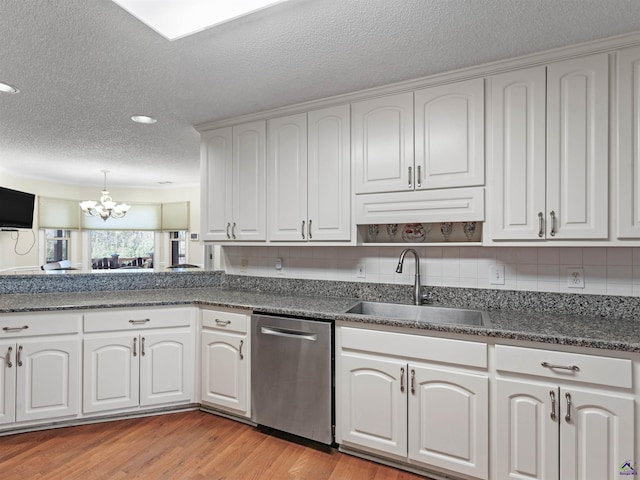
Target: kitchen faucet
[{"x": 418, "y": 298}]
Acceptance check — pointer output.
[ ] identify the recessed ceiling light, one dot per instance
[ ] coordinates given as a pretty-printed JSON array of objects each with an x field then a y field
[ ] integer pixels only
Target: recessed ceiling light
[
  {"x": 144, "y": 119},
  {"x": 6, "y": 88},
  {"x": 165, "y": 182},
  {"x": 177, "y": 19}
]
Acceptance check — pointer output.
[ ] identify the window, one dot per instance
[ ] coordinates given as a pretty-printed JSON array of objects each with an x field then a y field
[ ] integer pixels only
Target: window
[
  {"x": 56, "y": 245},
  {"x": 112, "y": 249},
  {"x": 178, "y": 247}
]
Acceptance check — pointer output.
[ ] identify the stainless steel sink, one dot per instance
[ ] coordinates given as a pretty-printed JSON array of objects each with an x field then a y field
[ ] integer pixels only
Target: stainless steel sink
[{"x": 422, "y": 313}]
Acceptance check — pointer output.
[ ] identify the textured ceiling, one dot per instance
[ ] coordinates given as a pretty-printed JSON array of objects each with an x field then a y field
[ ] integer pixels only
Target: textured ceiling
[{"x": 85, "y": 66}]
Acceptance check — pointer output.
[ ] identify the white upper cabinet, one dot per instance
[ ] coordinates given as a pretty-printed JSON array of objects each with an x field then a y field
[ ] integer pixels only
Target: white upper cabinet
[
  {"x": 449, "y": 135},
  {"x": 309, "y": 176},
  {"x": 628, "y": 183},
  {"x": 234, "y": 188},
  {"x": 561, "y": 193},
  {"x": 383, "y": 144}
]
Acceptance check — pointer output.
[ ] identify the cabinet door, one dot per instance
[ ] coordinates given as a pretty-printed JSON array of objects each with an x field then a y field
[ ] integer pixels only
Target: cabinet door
[
  {"x": 7, "y": 383},
  {"x": 48, "y": 381},
  {"x": 596, "y": 435},
  {"x": 329, "y": 174},
  {"x": 577, "y": 148},
  {"x": 225, "y": 371},
  {"x": 517, "y": 168},
  {"x": 449, "y": 130},
  {"x": 383, "y": 144},
  {"x": 448, "y": 420},
  {"x": 216, "y": 189},
  {"x": 249, "y": 182},
  {"x": 374, "y": 403},
  {"x": 111, "y": 372},
  {"x": 167, "y": 368},
  {"x": 527, "y": 430},
  {"x": 629, "y": 138},
  {"x": 288, "y": 178}
]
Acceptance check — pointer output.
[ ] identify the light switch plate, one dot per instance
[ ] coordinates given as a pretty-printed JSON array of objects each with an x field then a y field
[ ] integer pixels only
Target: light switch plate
[{"x": 496, "y": 275}]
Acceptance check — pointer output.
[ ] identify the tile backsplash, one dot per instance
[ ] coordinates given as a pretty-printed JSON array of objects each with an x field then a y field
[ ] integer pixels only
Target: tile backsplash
[{"x": 607, "y": 271}]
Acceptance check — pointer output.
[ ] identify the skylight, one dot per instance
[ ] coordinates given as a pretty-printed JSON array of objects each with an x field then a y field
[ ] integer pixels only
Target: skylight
[{"x": 175, "y": 19}]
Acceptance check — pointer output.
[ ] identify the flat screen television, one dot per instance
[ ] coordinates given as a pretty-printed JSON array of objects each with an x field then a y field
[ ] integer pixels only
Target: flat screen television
[{"x": 16, "y": 209}]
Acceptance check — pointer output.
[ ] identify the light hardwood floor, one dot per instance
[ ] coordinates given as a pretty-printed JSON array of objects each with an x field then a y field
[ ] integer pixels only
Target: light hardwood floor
[{"x": 187, "y": 445}]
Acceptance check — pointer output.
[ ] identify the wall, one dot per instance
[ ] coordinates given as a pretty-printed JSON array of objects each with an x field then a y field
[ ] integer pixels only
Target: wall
[
  {"x": 19, "y": 250},
  {"x": 611, "y": 271}
]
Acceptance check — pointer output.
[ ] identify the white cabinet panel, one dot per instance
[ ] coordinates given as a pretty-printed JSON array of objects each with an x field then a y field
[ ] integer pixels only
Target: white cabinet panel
[
  {"x": 7, "y": 383},
  {"x": 449, "y": 135},
  {"x": 628, "y": 221},
  {"x": 578, "y": 147},
  {"x": 383, "y": 144},
  {"x": 217, "y": 187},
  {"x": 329, "y": 174},
  {"x": 374, "y": 403},
  {"x": 448, "y": 424}
]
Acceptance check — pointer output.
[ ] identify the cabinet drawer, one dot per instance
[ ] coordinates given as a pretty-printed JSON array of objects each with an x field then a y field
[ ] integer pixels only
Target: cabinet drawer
[
  {"x": 29, "y": 324},
  {"x": 615, "y": 372},
  {"x": 445, "y": 350},
  {"x": 136, "y": 319},
  {"x": 228, "y": 321}
]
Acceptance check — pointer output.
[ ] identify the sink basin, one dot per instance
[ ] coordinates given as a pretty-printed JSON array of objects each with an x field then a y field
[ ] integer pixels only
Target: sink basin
[{"x": 422, "y": 313}]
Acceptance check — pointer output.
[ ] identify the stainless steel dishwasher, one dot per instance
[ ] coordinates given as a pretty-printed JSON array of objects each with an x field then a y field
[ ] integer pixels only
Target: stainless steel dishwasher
[{"x": 292, "y": 376}]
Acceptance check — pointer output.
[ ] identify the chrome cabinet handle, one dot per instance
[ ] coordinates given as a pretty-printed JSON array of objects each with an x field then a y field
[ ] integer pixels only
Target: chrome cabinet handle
[
  {"x": 410, "y": 179},
  {"x": 228, "y": 226},
  {"x": 573, "y": 368},
  {"x": 540, "y": 224},
  {"x": 135, "y": 346},
  {"x": 552, "y": 394},
  {"x": 141, "y": 321},
  {"x": 419, "y": 175},
  {"x": 553, "y": 223},
  {"x": 302, "y": 230},
  {"x": 233, "y": 231},
  {"x": 222, "y": 323},
  {"x": 567, "y": 417},
  {"x": 309, "y": 230},
  {"x": 240, "y": 349},
  {"x": 19, "y": 356},
  {"x": 142, "y": 352},
  {"x": 15, "y": 329},
  {"x": 9, "y": 364},
  {"x": 413, "y": 381},
  {"x": 402, "y": 379}
]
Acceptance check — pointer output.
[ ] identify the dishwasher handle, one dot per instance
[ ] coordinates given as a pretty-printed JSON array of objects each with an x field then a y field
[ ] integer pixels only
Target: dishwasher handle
[{"x": 284, "y": 332}]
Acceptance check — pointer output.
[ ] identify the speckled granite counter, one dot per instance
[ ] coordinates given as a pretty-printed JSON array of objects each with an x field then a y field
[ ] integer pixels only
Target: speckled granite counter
[{"x": 619, "y": 334}]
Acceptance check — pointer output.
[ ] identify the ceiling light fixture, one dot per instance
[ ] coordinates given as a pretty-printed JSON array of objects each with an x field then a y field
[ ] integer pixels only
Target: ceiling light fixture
[
  {"x": 177, "y": 19},
  {"x": 6, "y": 88},
  {"x": 107, "y": 208},
  {"x": 145, "y": 119}
]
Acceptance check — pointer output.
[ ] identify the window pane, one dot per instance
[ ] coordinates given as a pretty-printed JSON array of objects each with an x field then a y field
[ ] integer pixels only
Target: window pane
[
  {"x": 178, "y": 247},
  {"x": 56, "y": 245},
  {"x": 118, "y": 249}
]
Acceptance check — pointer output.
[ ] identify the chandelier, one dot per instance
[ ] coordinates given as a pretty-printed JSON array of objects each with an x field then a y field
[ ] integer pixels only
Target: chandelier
[{"x": 107, "y": 207}]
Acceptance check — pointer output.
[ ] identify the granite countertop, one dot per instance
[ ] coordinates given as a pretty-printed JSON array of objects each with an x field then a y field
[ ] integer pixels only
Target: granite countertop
[{"x": 575, "y": 330}]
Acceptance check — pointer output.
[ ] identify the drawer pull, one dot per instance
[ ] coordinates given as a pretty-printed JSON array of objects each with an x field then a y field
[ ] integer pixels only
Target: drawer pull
[
  {"x": 9, "y": 364},
  {"x": 15, "y": 329},
  {"x": 552, "y": 394},
  {"x": 573, "y": 368},
  {"x": 139, "y": 322},
  {"x": 222, "y": 323}
]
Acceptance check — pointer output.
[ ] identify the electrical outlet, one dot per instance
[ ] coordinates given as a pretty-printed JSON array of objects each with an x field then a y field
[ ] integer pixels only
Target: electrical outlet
[
  {"x": 361, "y": 271},
  {"x": 496, "y": 275},
  {"x": 575, "y": 277},
  {"x": 244, "y": 265}
]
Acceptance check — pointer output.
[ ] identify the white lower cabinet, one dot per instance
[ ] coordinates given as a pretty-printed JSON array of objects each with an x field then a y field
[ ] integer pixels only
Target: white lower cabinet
[
  {"x": 152, "y": 364},
  {"x": 555, "y": 429},
  {"x": 405, "y": 397},
  {"x": 39, "y": 372},
  {"x": 225, "y": 361}
]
